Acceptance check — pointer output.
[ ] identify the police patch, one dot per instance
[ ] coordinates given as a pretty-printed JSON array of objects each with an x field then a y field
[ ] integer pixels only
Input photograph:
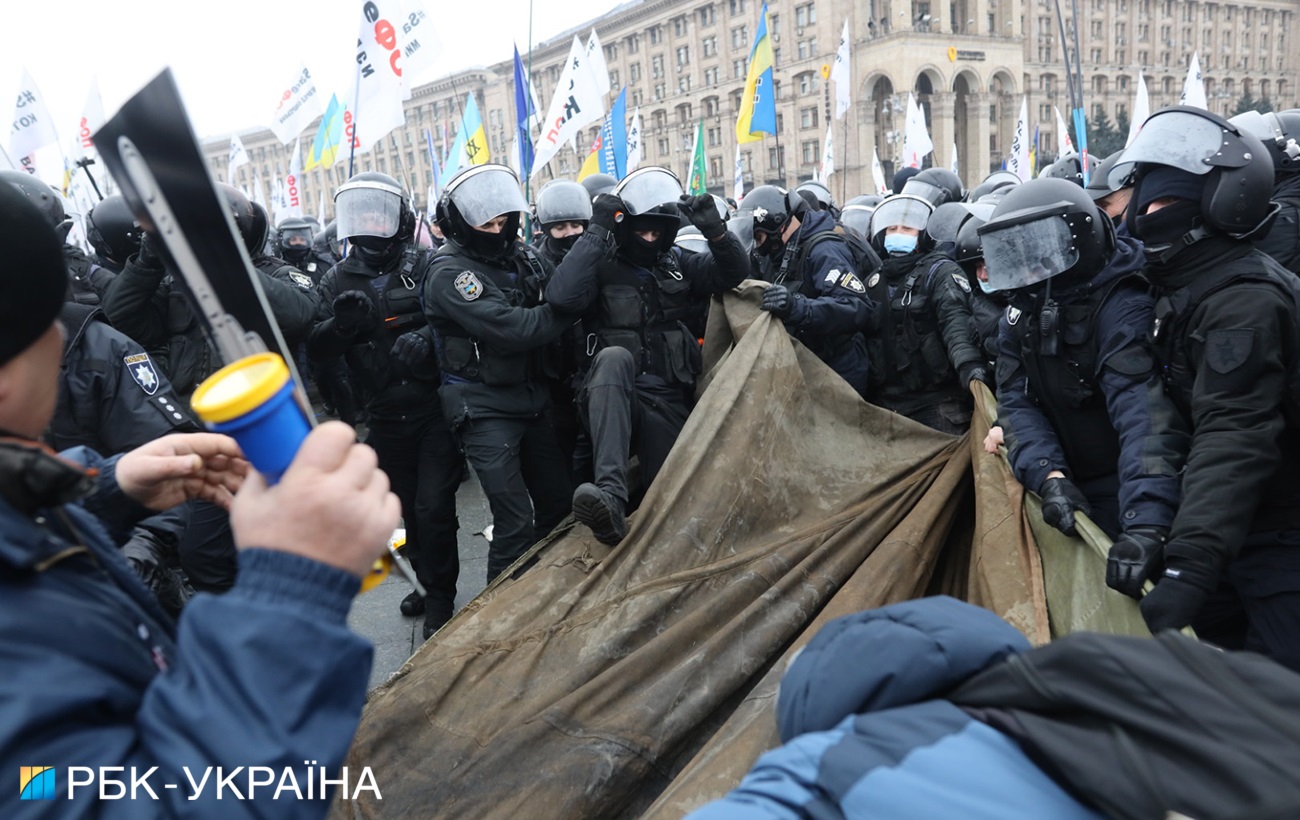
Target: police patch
[
  {"x": 1226, "y": 350},
  {"x": 853, "y": 283},
  {"x": 142, "y": 371},
  {"x": 1013, "y": 315},
  {"x": 302, "y": 280},
  {"x": 962, "y": 281},
  {"x": 874, "y": 280},
  {"x": 469, "y": 286}
]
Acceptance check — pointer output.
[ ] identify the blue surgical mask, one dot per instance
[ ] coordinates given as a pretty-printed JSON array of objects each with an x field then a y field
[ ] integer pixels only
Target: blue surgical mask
[
  {"x": 984, "y": 286},
  {"x": 899, "y": 243}
]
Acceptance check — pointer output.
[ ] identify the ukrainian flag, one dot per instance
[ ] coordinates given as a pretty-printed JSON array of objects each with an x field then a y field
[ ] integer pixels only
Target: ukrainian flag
[
  {"x": 329, "y": 136},
  {"x": 471, "y": 145},
  {"x": 758, "y": 104}
]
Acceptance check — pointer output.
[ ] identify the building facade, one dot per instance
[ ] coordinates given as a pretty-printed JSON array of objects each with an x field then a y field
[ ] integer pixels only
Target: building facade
[{"x": 969, "y": 63}]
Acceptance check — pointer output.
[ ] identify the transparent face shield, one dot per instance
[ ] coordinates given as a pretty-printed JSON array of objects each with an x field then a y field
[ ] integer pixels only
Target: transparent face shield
[
  {"x": 1179, "y": 139},
  {"x": 366, "y": 211},
  {"x": 1028, "y": 253},
  {"x": 295, "y": 237},
  {"x": 857, "y": 218},
  {"x": 741, "y": 225},
  {"x": 692, "y": 240},
  {"x": 486, "y": 192},
  {"x": 930, "y": 193},
  {"x": 902, "y": 210},
  {"x": 648, "y": 188}
]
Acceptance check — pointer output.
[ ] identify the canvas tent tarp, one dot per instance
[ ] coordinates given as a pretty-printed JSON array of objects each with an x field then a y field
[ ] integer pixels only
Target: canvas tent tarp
[{"x": 598, "y": 682}]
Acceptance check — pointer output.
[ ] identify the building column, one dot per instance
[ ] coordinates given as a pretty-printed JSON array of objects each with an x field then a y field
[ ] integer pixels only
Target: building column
[
  {"x": 978, "y": 132},
  {"x": 865, "y": 111},
  {"x": 943, "y": 128}
]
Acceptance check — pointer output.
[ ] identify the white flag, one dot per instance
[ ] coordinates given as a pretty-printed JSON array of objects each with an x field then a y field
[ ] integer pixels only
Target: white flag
[
  {"x": 828, "y": 156},
  {"x": 277, "y": 201},
  {"x": 293, "y": 184},
  {"x": 417, "y": 41},
  {"x": 634, "y": 142},
  {"x": 841, "y": 75},
  {"x": 1141, "y": 109},
  {"x": 738, "y": 185},
  {"x": 238, "y": 156},
  {"x": 257, "y": 195},
  {"x": 320, "y": 209},
  {"x": 954, "y": 160},
  {"x": 916, "y": 139},
  {"x": 878, "y": 174},
  {"x": 33, "y": 126},
  {"x": 297, "y": 105},
  {"x": 1194, "y": 86},
  {"x": 1018, "y": 159},
  {"x": 92, "y": 119},
  {"x": 578, "y": 102},
  {"x": 376, "y": 103},
  {"x": 1064, "y": 145},
  {"x": 596, "y": 62}
]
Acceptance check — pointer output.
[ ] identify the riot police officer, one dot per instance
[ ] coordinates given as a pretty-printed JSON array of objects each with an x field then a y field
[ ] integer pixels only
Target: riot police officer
[
  {"x": 87, "y": 280},
  {"x": 1225, "y": 334},
  {"x": 817, "y": 279},
  {"x": 1280, "y": 133},
  {"x": 371, "y": 317},
  {"x": 1070, "y": 168},
  {"x": 563, "y": 211},
  {"x": 112, "y": 232},
  {"x": 483, "y": 300},
  {"x": 634, "y": 290},
  {"x": 922, "y": 341},
  {"x": 1075, "y": 373},
  {"x": 293, "y": 244}
]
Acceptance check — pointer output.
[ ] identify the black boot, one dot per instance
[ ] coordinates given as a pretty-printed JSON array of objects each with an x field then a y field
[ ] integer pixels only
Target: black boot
[
  {"x": 412, "y": 605},
  {"x": 600, "y": 511}
]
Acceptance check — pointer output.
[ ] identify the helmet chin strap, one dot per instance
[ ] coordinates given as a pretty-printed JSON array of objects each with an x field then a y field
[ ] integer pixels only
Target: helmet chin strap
[{"x": 1161, "y": 254}]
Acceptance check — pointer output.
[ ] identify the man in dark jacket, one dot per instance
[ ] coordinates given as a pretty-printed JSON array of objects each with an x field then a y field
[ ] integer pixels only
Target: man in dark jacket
[
  {"x": 96, "y": 675},
  {"x": 1224, "y": 333},
  {"x": 633, "y": 290},
  {"x": 1280, "y": 133},
  {"x": 371, "y": 317},
  {"x": 1076, "y": 378}
]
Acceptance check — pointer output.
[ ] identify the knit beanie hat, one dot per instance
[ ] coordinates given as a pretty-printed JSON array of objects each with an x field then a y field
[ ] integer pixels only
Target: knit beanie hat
[{"x": 33, "y": 275}]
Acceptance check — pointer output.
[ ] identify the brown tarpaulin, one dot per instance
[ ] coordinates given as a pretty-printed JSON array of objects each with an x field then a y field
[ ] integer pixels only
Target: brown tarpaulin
[{"x": 599, "y": 682}]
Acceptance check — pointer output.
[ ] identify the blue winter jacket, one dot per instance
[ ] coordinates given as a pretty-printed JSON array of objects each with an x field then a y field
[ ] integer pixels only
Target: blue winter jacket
[
  {"x": 96, "y": 675},
  {"x": 868, "y": 735}
]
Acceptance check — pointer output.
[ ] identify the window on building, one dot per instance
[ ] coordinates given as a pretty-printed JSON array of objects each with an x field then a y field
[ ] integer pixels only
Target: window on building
[
  {"x": 740, "y": 36},
  {"x": 663, "y": 146},
  {"x": 613, "y": 78},
  {"x": 656, "y": 35},
  {"x": 773, "y": 24},
  {"x": 657, "y": 66},
  {"x": 684, "y": 83},
  {"x": 738, "y": 69},
  {"x": 711, "y": 76},
  {"x": 636, "y": 97},
  {"x": 776, "y": 158},
  {"x": 737, "y": 7},
  {"x": 808, "y": 117},
  {"x": 715, "y": 137},
  {"x": 659, "y": 91},
  {"x": 811, "y": 150},
  {"x": 706, "y": 16},
  {"x": 806, "y": 83},
  {"x": 776, "y": 58},
  {"x": 679, "y": 26},
  {"x": 634, "y": 72},
  {"x": 633, "y": 43},
  {"x": 683, "y": 55},
  {"x": 1096, "y": 29},
  {"x": 709, "y": 45},
  {"x": 715, "y": 167},
  {"x": 805, "y": 15}
]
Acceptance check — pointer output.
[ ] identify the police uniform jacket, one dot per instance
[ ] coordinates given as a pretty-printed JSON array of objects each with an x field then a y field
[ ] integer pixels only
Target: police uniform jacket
[{"x": 1282, "y": 242}]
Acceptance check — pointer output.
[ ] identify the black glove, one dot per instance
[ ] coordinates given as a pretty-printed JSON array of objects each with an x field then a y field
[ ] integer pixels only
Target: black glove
[
  {"x": 606, "y": 211},
  {"x": 412, "y": 349},
  {"x": 1179, "y": 594},
  {"x": 976, "y": 373},
  {"x": 1133, "y": 558},
  {"x": 354, "y": 313},
  {"x": 1061, "y": 499},
  {"x": 148, "y": 256},
  {"x": 703, "y": 214},
  {"x": 778, "y": 301}
]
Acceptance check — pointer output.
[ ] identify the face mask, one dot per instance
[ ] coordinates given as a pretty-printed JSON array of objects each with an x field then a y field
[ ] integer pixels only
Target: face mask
[
  {"x": 899, "y": 243},
  {"x": 984, "y": 286},
  {"x": 1169, "y": 224}
]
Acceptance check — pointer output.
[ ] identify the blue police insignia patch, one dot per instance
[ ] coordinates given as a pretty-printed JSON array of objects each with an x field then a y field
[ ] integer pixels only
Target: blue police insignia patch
[
  {"x": 302, "y": 280},
  {"x": 962, "y": 281},
  {"x": 142, "y": 370},
  {"x": 468, "y": 285},
  {"x": 853, "y": 283}
]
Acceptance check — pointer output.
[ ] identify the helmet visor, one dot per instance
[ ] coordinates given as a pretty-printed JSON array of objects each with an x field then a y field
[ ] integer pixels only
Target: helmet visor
[
  {"x": 692, "y": 240},
  {"x": 1178, "y": 139},
  {"x": 857, "y": 218},
  {"x": 1027, "y": 253},
  {"x": 366, "y": 211},
  {"x": 903, "y": 210},
  {"x": 295, "y": 237},
  {"x": 741, "y": 226},
  {"x": 484, "y": 193},
  {"x": 930, "y": 193},
  {"x": 567, "y": 202},
  {"x": 649, "y": 188}
]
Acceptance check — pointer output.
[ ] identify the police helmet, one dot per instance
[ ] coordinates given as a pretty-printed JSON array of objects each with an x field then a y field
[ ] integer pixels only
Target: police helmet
[
  {"x": 373, "y": 204},
  {"x": 476, "y": 196},
  {"x": 43, "y": 196},
  {"x": 690, "y": 239},
  {"x": 856, "y": 219},
  {"x": 1236, "y": 168},
  {"x": 869, "y": 200},
  {"x": 1099, "y": 185},
  {"x": 946, "y": 220},
  {"x": 651, "y": 195},
  {"x": 1070, "y": 168},
  {"x": 597, "y": 184},
  {"x": 769, "y": 209},
  {"x": 250, "y": 218},
  {"x": 936, "y": 186},
  {"x": 1045, "y": 228},
  {"x": 293, "y": 238},
  {"x": 1280, "y": 133},
  {"x": 562, "y": 201},
  {"x": 825, "y": 200},
  {"x": 903, "y": 210},
  {"x": 995, "y": 181},
  {"x": 112, "y": 230},
  {"x": 969, "y": 251}
]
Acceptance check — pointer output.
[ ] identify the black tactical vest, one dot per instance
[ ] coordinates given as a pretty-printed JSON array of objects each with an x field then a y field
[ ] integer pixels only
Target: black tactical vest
[{"x": 909, "y": 352}]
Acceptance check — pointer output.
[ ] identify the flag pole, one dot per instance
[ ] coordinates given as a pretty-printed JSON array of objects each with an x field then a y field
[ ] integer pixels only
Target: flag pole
[{"x": 528, "y": 175}]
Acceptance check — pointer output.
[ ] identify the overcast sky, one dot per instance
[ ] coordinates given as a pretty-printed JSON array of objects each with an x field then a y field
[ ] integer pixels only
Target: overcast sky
[{"x": 232, "y": 57}]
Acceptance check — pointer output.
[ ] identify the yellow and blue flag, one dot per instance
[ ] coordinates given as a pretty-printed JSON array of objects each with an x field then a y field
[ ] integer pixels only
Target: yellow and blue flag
[
  {"x": 471, "y": 145},
  {"x": 758, "y": 104},
  {"x": 329, "y": 136}
]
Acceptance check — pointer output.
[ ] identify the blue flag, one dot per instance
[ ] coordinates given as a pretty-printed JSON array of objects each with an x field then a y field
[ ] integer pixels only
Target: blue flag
[
  {"x": 523, "y": 110},
  {"x": 613, "y": 139}
]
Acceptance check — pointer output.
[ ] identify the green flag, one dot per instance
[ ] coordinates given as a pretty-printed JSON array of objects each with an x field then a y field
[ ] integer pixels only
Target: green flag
[{"x": 697, "y": 185}]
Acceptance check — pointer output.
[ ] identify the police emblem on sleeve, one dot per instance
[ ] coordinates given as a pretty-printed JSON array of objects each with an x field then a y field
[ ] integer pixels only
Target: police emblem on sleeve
[
  {"x": 1013, "y": 315},
  {"x": 468, "y": 285},
  {"x": 142, "y": 371},
  {"x": 874, "y": 280},
  {"x": 962, "y": 281},
  {"x": 853, "y": 283},
  {"x": 302, "y": 280}
]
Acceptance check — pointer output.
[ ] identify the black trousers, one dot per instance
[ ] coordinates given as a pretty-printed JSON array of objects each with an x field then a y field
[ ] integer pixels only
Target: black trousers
[
  {"x": 1257, "y": 605},
  {"x": 207, "y": 547},
  {"x": 525, "y": 478},
  {"x": 628, "y": 414},
  {"x": 424, "y": 465}
]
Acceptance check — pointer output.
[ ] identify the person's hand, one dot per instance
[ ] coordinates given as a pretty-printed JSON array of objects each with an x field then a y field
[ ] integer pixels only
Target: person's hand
[
  {"x": 1133, "y": 558},
  {"x": 354, "y": 313},
  {"x": 412, "y": 349},
  {"x": 148, "y": 256},
  {"x": 181, "y": 467},
  {"x": 702, "y": 211},
  {"x": 606, "y": 211},
  {"x": 976, "y": 373},
  {"x": 993, "y": 440},
  {"x": 1179, "y": 594},
  {"x": 1061, "y": 500},
  {"x": 332, "y": 505},
  {"x": 778, "y": 301}
]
